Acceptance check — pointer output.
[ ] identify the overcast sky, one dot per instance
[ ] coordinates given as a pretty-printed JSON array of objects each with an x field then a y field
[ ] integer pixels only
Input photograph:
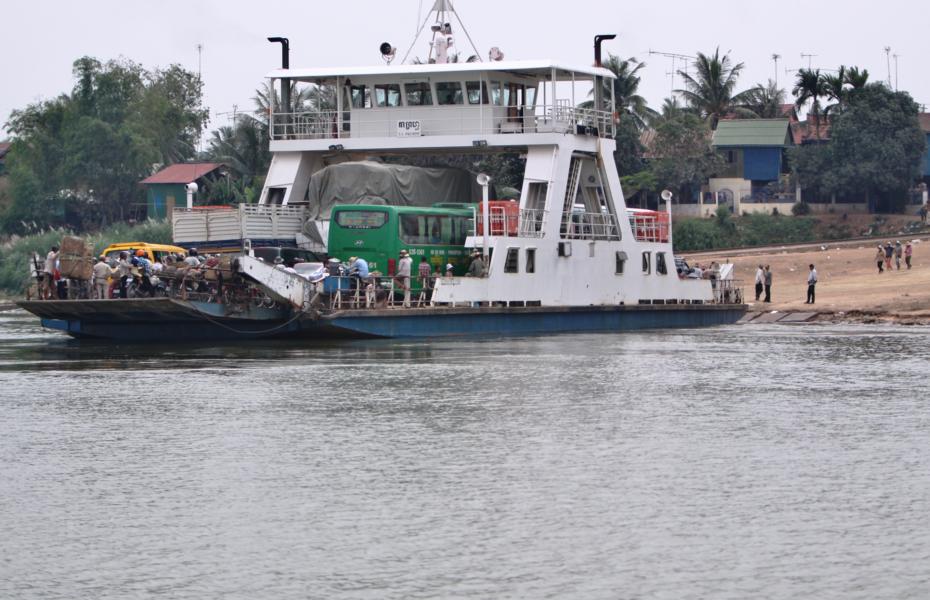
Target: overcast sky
[{"x": 42, "y": 39}]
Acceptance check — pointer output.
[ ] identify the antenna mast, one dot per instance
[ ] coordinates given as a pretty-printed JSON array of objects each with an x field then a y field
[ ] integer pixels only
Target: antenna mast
[{"x": 674, "y": 56}]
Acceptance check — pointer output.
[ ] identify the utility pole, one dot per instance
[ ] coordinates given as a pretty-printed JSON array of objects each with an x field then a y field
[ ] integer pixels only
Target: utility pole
[
  {"x": 888, "y": 61},
  {"x": 674, "y": 56},
  {"x": 808, "y": 57},
  {"x": 775, "y": 57},
  {"x": 895, "y": 56}
]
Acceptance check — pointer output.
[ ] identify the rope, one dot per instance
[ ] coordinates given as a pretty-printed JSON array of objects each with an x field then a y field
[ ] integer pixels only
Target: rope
[{"x": 213, "y": 320}]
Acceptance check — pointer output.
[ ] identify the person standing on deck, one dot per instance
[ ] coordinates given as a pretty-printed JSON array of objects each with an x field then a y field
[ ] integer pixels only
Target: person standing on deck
[
  {"x": 811, "y": 284},
  {"x": 404, "y": 267},
  {"x": 123, "y": 271},
  {"x": 101, "y": 273},
  {"x": 908, "y": 251},
  {"x": 760, "y": 279},
  {"x": 51, "y": 264},
  {"x": 425, "y": 273},
  {"x": 880, "y": 259},
  {"x": 768, "y": 283},
  {"x": 476, "y": 268}
]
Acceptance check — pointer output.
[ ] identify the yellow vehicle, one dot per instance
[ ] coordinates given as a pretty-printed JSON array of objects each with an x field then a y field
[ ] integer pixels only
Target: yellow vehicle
[{"x": 152, "y": 251}]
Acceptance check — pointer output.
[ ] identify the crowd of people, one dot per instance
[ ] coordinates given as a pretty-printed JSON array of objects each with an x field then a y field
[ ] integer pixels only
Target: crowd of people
[{"x": 893, "y": 252}]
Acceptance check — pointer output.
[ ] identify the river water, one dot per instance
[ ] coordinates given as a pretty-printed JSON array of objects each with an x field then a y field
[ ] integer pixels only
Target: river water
[{"x": 734, "y": 462}]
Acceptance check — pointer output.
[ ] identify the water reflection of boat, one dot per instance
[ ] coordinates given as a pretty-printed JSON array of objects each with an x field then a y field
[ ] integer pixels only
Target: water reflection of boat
[{"x": 569, "y": 257}]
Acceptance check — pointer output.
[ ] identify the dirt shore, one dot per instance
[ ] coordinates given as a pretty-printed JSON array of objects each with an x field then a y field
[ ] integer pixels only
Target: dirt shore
[{"x": 850, "y": 288}]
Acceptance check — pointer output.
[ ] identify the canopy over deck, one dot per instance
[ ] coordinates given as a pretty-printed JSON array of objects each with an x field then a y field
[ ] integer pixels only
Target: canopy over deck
[{"x": 530, "y": 68}]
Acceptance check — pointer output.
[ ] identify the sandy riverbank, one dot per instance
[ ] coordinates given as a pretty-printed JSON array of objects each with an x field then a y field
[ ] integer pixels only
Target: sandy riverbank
[{"x": 850, "y": 287}]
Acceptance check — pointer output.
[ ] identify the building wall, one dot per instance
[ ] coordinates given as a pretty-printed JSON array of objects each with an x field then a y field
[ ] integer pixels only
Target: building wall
[
  {"x": 761, "y": 164},
  {"x": 163, "y": 197},
  {"x": 925, "y": 161}
]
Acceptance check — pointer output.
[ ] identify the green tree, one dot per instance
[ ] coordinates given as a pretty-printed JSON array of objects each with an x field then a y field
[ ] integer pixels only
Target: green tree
[
  {"x": 874, "y": 149},
  {"x": 627, "y": 100},
  {"x": 765, "y": 101},
  {"x": 629, "y": 153},
  {"x": 684, "y": 158},
  {"x": 710, "y": 91},
  {"x": 809, "y": 87},
  {"x": 83, "y": 153}
]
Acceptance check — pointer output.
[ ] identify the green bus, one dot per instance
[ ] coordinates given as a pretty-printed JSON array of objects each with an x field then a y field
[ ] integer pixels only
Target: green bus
[{"x": 378, "y": 234}]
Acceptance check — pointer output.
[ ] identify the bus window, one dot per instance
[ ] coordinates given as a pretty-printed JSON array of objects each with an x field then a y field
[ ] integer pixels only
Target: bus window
[
  {"x": 449, "y": 92},
  {"x": 411, "y": 229},
  {"x": 361, "y": 219},
  {"x": 387, "y": 94},
  {"x": 418, "y": 94}
]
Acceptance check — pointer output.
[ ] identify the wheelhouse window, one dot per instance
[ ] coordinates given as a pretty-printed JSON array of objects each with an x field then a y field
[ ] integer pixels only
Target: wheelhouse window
[
  {"x": 530, "y": 260},
  {"x": 647, "y": 263},
  {"x": 661, "y": 267},
  {"x": 418, "y": 94},
  {"x": 449, "y": 92},
  {"x": 512, "y": 263},
  {"x": 619, "y": 262},
  {"x": 387, "y": 95},
  {"x": 361, "y": 96},
  {"x": 496, "y": 95},
  {"x": 361, "y": 219},
  {"x": 477, "y": 93}
]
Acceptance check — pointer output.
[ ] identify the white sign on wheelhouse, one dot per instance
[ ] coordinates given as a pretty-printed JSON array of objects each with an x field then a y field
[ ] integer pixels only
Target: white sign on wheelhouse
[{"x": 408, "y": 129}]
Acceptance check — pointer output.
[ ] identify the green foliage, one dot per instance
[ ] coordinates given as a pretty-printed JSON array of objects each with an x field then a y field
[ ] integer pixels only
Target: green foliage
[
  {"x": 16, "y": 253},
  {"x": 799, "y": 209},
  {"x": 629, "y": 152},
  {"x": 684, "y": 158},
  {"x": 723, "y": 231},
  {"x": 711, "y": 89},
  {"x": 83, "y": 153},
  {"x": 874, "y": 149}
]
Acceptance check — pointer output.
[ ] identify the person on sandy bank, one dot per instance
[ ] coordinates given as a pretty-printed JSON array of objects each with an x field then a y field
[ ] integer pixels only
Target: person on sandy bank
[
  {"x": 760, "y": 279},
  {"x": 898, "y": 251},
  {"x": 880, "y": 259},
  {"x": 908, "y": 251},
  {"x": 767, "y": 278},
  {"x": 889, "y": 252},
  {"x": 811, "y": 284}
]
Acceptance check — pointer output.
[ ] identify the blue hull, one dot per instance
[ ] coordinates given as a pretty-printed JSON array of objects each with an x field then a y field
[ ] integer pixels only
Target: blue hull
[{"x": 165, "y": 320}]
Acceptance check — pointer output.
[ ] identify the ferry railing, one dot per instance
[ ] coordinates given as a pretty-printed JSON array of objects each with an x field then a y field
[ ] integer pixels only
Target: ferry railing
[
  {"x": 510, "y": 222},
  {"x": 727, "y": 291},
  {"x": 417, "y": 121},
  {"x": 590, "y": 226}
]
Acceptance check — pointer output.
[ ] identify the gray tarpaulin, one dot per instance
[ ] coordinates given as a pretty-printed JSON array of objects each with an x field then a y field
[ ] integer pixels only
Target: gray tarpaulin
[{"x": 370, "y": 182}]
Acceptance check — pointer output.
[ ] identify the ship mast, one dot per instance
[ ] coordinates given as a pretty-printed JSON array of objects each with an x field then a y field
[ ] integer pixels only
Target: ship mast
[{"x": 442, "y": 33}]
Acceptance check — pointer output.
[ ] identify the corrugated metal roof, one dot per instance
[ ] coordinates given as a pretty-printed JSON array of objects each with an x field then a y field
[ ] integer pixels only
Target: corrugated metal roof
[
  {"x": 752, "y": 132},
  {"x": 182, "y": 173}
]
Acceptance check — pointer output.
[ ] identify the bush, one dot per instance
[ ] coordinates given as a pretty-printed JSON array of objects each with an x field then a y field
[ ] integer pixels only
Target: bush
[{"x": 800, "y": 209}]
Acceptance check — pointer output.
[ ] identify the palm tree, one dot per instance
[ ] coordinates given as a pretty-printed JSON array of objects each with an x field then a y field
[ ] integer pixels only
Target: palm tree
[
  {"x": 625, "y": 86},
  {"x": 833, "y": 85},
  {"x": 308, "y": 98},
  {"x": 809, "y": 86},
  {"x": 857, "y": 79},
  {"x": 710, "y": 90},
  {"x": 765, "y": 101}
]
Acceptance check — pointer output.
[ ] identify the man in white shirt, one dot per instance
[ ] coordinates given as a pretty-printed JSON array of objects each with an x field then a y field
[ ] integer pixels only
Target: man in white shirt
[
  {"x": 51, "y": 265},
  {"x": 404, "y": 267},
  {"x": 811, "y": 283},
  {"x": 760, "y": 278},
  {"x": 101, "y": 275}
]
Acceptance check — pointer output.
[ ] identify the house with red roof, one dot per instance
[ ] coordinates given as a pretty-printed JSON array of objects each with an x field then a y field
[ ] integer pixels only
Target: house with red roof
[{"x": 167, "y": 188}]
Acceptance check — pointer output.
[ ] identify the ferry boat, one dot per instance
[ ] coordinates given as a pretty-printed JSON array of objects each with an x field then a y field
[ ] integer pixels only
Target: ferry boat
[{"x": 569, "y": 256}]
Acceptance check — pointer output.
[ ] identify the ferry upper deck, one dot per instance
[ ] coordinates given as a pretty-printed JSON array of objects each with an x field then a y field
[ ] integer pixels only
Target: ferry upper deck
[{"x": 477, "y": 104}]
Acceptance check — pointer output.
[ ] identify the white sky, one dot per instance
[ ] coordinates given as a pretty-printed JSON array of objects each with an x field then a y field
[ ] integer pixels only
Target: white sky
[{"x": 41, "y": 40}]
